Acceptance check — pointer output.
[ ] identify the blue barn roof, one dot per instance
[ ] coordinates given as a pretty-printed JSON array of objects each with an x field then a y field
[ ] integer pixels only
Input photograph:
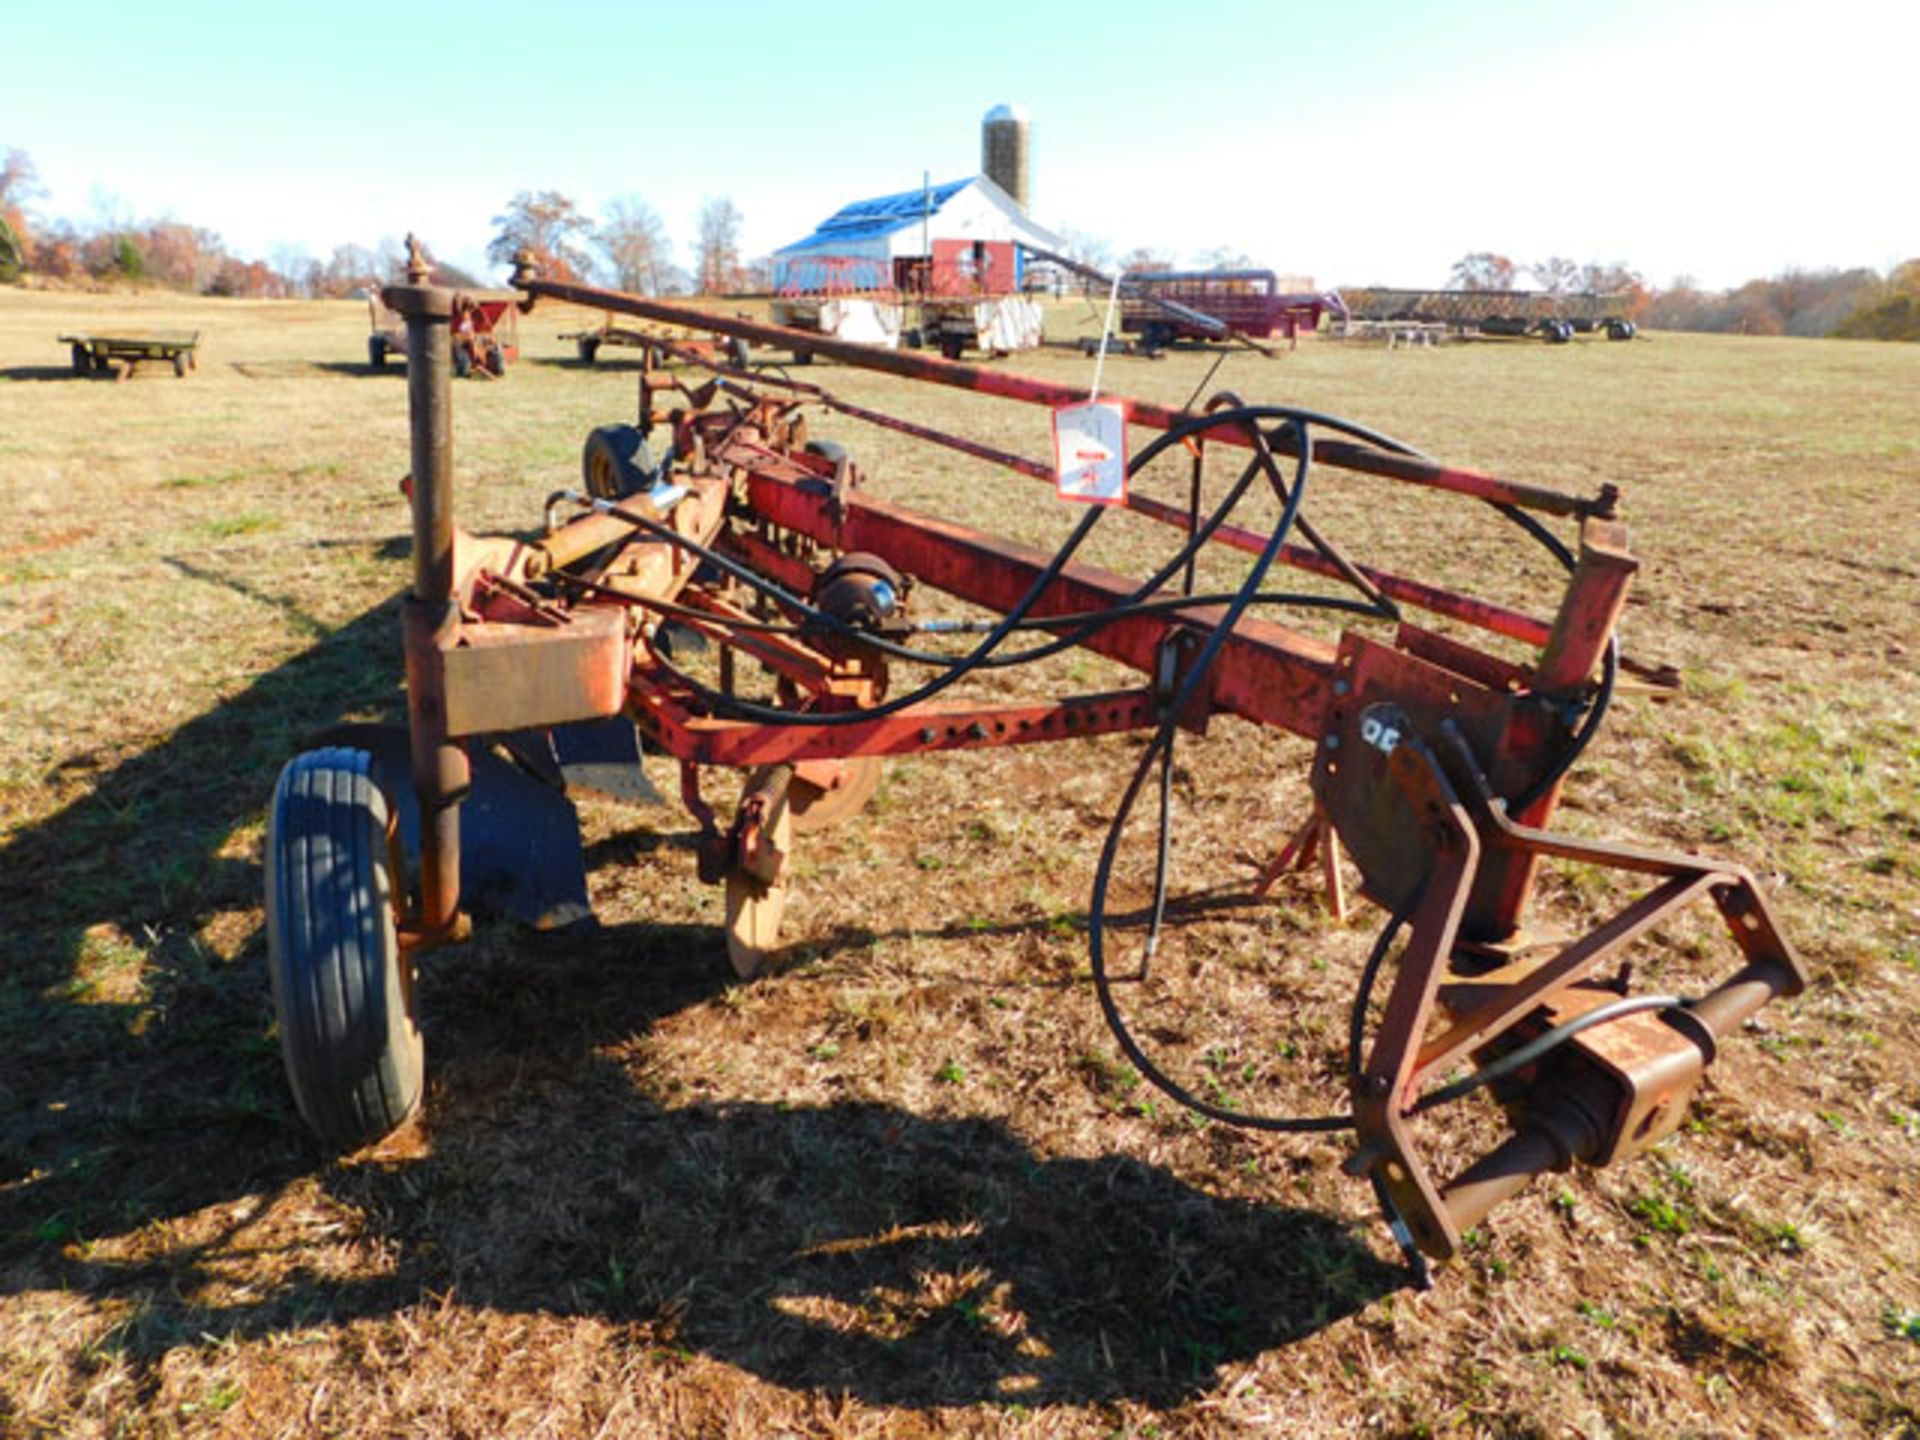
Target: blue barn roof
[{"x": 871, "y": 219}]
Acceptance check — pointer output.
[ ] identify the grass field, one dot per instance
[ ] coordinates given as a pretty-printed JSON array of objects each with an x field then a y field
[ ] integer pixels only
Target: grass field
[{"x": 905, "y": 1185}]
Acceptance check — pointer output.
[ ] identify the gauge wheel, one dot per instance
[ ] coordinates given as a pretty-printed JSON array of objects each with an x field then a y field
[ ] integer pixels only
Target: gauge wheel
[
  {"x": 342, "y": 990},
  {"x": 615, "y": 462}
]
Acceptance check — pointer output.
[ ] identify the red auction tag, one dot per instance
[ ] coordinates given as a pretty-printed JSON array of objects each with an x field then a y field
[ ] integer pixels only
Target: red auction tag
[{"x": 1090, "y": 452}]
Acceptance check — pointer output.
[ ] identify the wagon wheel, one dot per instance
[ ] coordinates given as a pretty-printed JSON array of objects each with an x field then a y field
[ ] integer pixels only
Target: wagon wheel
[
  {"x": 342, "y": 991},
  {"x": 180, "y": 364},
  {"x": 757, "y": 884},
  {"x": 815, "y": 809},
  {"x": 82, "y": 360}
]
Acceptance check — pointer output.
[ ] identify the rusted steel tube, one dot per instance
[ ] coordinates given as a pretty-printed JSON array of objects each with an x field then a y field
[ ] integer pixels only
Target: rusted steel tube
[
  {"x": 441, "y": 775},
  {"x": 1349, "y": 455}
]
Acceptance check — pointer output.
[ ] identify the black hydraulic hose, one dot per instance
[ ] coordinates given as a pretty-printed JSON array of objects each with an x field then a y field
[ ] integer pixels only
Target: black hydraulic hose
[
  {"x": 816, "y": 616},
  {"x": 979, "y": 657},
  {"x": 1103, "y": 873}
]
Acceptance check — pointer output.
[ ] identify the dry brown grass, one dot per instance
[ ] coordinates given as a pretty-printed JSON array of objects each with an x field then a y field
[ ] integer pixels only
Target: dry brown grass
[{"x": 904, "y": 1186}]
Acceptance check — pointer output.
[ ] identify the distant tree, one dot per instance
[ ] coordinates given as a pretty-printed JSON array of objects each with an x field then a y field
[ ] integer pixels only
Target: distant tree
[
  {"x": 292, "y": 264},
  {"x": 1556, "y": 275},
  {"x": 13, "y": 252},
  {"x": 1482, "y": 270},
  {"x": 19, "y": 183},
  {"x": 635, "y": 244},
  {"x": 1145, "y": 258},
  {"x": 756, "y": 275},
  {"x": 1089, "y": 250},
  {"x": 19, "y": 179},
  {"x": 719, "y": 258},
  {"x": 181, "y": 257},
  {"x": 1225, "y": 257},
  {"x": 350, "y": 268},
  {"x": 550, "y": 227}
]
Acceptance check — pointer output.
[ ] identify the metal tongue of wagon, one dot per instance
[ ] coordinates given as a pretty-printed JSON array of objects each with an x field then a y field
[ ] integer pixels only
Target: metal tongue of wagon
[{"x": 1437, "y": 766}]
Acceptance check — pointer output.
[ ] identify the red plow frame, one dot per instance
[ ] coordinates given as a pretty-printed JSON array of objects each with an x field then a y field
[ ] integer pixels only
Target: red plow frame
[{"x": 1437, "y": 767}]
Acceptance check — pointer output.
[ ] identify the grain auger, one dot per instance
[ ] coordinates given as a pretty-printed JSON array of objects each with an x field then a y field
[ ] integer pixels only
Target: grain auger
[{"x": 539, "y": 665}]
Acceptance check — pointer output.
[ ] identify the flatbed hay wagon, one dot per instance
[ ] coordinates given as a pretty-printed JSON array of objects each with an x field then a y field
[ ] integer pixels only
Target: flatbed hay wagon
[
  {"x": 121, "y": 352},
  {"x": 1437, "y": 766},
  {"x": 1496, "y": 314}
]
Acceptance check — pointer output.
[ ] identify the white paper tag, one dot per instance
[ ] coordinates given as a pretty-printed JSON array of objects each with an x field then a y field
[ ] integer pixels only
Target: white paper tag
[{"x": 1090, "y": 452}]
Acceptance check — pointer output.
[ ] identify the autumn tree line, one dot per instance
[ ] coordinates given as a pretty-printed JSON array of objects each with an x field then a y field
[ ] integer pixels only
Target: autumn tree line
[
  {"x": 629, "y": 249},
  {"x": 1859, "y": 304}
]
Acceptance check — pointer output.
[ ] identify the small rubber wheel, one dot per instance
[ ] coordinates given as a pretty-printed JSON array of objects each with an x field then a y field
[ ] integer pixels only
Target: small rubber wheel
[
  {"x": 738, "y": 353},
  {"x": 914, "y": 339},
  {"x": 377, "y": 351},
  {"x": 180, "y": 363},
  {"x": 588, "y": 348},
  {"x": 496, "y": 360},
  {"x": 952, "y": 347},
  {"x": 462, "y": 362},
  {"x": 341, "y": 989},
  {"x": 82, "y": 360},
  {"x": 616, "y": 463}
]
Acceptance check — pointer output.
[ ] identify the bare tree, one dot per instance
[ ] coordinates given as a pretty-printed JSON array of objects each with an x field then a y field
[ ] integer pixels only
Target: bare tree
[
  {"x": 1089, "y": 250},
  {"x": 1482, "y": 270},
  {"x": 719, "y": 246},
  {"x": 635, "y": 244},
  {"x": 550, "y": 227},
  {"x": 1556, "y": 275},
  {"x": 1225, "y": 257},
  {"x": 1144, "y": 258},
  {"x": 19, "y": 180}
]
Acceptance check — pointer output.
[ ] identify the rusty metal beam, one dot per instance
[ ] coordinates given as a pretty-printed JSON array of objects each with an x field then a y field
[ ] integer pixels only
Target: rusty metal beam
[
  {"x": 1267, "y": 673},
  {"x": 1345, "y": 454}
]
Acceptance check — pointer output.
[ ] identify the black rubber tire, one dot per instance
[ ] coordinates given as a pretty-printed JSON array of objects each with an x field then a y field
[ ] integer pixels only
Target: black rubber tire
[
  {"x": 180, "y": 364},
  {"x": 462, "y": 362},
  {"x": 952, "y": 347},
  {"x": 82, "y": 360},
  {"x": 495, "y": 362},
  {"x": 588, "y": 348},
  {"x": 738, "y": 355},
  {"x": 377, "y": 351},
  {"x": 341, "y": 989},
  {"x": 914, "y": 338},
  {"x": 616, "y": 463}
]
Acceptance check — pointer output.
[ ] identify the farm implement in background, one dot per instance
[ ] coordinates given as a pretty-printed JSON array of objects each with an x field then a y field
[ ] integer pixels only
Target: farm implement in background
[
  {"x": 1506, "y": 314},
  {"x": 485, "y": 329},
  {"x": 1163, "y": 306},
  {"x": 1437, "y": 766}
]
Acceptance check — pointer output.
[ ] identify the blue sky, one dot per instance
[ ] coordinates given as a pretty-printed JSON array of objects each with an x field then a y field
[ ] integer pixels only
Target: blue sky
[{"x": 1365, "y": 142}]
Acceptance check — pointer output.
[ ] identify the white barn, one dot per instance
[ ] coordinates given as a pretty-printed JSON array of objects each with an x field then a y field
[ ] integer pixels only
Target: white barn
[{"x": 871, "y": 243}]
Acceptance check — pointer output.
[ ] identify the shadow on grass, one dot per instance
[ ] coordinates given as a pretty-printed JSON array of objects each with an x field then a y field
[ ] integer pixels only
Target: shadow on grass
[
  {"x": 851, "y": 1248},
  {"x": 855, "y": 1248},
  {"x": 55, "y": 372}
]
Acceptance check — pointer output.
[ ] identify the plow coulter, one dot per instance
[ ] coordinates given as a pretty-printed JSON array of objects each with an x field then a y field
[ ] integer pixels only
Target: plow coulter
[{"x": 714, "y": 537}]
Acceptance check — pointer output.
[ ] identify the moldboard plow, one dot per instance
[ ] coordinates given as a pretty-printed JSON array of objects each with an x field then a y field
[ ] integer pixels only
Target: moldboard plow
[{"x": 538, "y": 664}]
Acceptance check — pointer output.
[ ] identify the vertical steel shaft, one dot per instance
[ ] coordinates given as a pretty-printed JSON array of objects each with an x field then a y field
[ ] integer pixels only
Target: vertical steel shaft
[{"x": 431, "y": 621}]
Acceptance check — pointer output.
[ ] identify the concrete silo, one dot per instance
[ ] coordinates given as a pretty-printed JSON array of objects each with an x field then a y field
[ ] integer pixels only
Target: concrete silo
[{"x": 1005, "y": 146}]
